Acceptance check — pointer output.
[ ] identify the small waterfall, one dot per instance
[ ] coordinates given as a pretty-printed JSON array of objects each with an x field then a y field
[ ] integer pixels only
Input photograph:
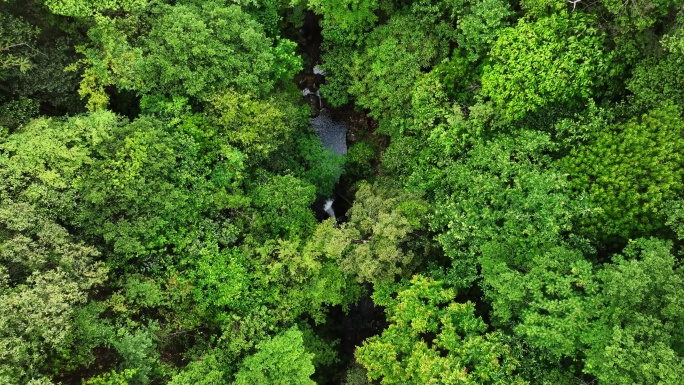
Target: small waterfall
[
  {"x": 306, "y": 92},
  {"x": 327, "y": 207}
]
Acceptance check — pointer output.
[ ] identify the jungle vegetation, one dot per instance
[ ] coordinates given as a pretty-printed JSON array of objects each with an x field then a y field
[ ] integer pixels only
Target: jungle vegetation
[{"x": 514, "y": 188}]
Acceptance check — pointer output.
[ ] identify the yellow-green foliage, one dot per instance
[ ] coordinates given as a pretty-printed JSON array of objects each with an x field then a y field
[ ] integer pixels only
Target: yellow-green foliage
[
  {"x": 628, "y": 170},
  {"x": 432, "y": 339},
  {"x": 556, "y": 59}
]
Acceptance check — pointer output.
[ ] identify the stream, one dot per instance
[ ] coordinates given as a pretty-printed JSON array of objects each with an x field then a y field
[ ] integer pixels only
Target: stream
[
  {"x": 363, "y": 319},
  {"x": 332, "y": 133}
]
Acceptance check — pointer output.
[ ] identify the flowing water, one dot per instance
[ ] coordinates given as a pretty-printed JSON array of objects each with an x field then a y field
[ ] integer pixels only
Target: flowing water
[
  {"x": 333, "y": 134},
  {"x": 327, "y": 207},
  {"x": 364, "y": 319}
]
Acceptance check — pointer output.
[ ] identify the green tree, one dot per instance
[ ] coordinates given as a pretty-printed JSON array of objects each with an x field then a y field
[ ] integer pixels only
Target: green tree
[
  {"x": 112, "y": 378},
  {"x": 45, "y": 275},
  {"x": 638, "y": 335},
  {"x": 434, "y": 340},
  {"x": 394, "y": 57},
  {"x": 41, "y": 162},
  {"x": 618, "y": 322},
  {"x": 673, "y": 41},
  {"x": 551, "y": 301},
  {"x": 257, "y": 127},
  {"x": 555, "y": 59},
  {"x": 638, "y": 15},
  {"x": 318, "y": 165},
  {"x": 479, "y": 26},
  {"x": 657, "y": 80},
  {"x": 206, "y": 371},
  {"x": 432, "y": 132},
  {"x": 280, "y": 360},
  {"x": 295, "y": 277},
  {"x": 628, "y": 170},
  {"x": 674, "y": 211},
  {"x": 360, "y": 160},
  {"x": 80, "y": 8},
  {"x": 186, "y": 49},
  {"x": 245, "y": 292},
  {"x": 48, "y": 274},
  {"x": 132, "y": 195},
  {"x": 34, "y": 51},
  {"x": 282, "y": 208},
  {"x": 47, "y": 82},
  {"x": 380, "y": 233},
  {"x": 17, "y": 39},
  {"x": 504, "y": 192},
  {"x": 14, "y": 113},
  {"x": 346, "y": 21}
]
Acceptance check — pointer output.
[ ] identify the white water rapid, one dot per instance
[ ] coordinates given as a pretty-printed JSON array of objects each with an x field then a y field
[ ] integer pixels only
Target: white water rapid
[{"x": 327, "y": 207}]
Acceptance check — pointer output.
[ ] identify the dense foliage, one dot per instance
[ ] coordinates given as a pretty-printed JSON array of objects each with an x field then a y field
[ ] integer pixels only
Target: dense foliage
[{"x": 513, "y": 192}]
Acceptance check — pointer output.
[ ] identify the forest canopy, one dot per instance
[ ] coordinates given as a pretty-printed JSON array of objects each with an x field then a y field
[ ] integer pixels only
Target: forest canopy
[{"x": 507, "y": 205}]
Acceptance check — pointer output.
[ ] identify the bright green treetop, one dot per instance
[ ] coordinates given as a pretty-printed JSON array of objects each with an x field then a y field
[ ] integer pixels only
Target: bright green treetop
[
  {"x": 629, "y": 170},
  {"x": 281, "y": 360},
  {"x": 434, "y": 340},
  {"x": 555, "y": 59}
]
